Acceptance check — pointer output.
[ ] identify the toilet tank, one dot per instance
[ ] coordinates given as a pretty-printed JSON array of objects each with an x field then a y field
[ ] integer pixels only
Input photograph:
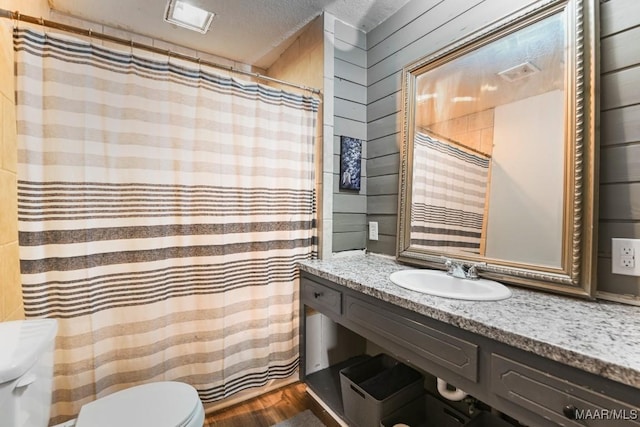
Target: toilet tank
[{"x": 26, "y": 372}]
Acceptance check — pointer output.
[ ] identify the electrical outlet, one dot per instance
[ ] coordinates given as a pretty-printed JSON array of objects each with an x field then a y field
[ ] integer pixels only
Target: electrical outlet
[
  {"x": 623, "y": 256},
  {"x": 627, "y": 262},
  {"x": 626, "y": 250},
  {"x": 373, "y": 230}
]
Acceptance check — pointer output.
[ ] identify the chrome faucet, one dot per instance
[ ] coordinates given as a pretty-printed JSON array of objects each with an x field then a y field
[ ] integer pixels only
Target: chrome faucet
[
  {"x": 462, "y": 271},
  {"x": 456, "y": 269}
]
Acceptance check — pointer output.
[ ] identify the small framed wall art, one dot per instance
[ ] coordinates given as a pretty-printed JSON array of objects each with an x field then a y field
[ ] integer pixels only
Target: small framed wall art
[{"x": 350, "y": 163}]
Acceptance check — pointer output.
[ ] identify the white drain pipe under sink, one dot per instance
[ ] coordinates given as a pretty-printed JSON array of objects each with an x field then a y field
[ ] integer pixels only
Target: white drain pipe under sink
[{"x": 455, "y": 395}]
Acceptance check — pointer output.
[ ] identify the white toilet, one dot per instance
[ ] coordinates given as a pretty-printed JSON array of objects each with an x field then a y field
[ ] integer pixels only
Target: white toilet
[{"x": 26, "y": 379}]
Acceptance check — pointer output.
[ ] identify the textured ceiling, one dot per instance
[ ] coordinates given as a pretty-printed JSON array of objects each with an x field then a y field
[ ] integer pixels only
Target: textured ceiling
[{"x": 253, "y": 32}]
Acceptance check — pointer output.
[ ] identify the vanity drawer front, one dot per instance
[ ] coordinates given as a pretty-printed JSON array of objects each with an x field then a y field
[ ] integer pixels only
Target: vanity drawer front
[
  {"x": 445, "y": 350},
  {"x": 321, "y": 297},
  {"x": 548, "y": 396}
]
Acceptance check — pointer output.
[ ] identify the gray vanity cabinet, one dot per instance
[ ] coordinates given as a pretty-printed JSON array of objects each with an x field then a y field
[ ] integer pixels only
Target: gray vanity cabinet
[
  {"x": 538, "y": 390},
  {"x": 414, "y": 340},
  {"x": 532, "y": 389},
  {"x": 322, "y": 298}
]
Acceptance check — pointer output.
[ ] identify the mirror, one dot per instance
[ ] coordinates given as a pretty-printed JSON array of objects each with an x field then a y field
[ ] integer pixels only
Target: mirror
[{"x": 499, "y": 152}]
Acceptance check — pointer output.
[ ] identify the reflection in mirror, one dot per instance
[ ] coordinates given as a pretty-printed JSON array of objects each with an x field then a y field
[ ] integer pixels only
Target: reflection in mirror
[
  {"x": 450, "y": 184},
  {"x": 489, "y": 148},
  {"x": 498, "y": 140}
]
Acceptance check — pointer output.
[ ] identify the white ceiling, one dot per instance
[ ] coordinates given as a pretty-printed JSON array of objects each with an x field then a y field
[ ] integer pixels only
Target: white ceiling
[{"x": 253, "y": 32}]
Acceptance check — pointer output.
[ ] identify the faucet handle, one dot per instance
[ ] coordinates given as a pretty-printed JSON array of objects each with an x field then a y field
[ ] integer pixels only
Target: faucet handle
[
  {"x": 449, "y": 265},
  {"x": 472, "y": 272},
  {"x": 461, "y": 270}
]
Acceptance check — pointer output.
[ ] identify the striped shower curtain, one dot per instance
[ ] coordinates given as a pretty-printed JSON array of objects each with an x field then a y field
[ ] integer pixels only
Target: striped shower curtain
[
  {"x": 449, "y": 196},
  {"x": 162, "y": 210}
]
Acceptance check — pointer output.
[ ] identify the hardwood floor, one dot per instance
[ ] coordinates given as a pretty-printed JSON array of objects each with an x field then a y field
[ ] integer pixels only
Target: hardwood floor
[{"x": 269, "y": 409}]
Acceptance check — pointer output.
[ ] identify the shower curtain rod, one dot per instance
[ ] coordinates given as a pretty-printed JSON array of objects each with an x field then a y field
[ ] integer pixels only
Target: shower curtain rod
[
  {"x": 17, "y": 16},
  {"x": 454, "y": 142}
]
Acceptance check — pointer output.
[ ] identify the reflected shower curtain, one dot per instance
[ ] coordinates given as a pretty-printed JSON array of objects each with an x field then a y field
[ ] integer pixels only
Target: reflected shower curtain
[
  {"x": 162, "y": 211},
  {"x": 449, "y": 196}
]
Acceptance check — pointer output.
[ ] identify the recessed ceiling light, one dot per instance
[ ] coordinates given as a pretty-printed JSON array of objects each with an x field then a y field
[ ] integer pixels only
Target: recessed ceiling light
[
  {"x": 426, "y": 96},
  {"x": 188, "y": 16},
  {"x": 463, "y": 99},
  {"x": 488, "y": 88}
]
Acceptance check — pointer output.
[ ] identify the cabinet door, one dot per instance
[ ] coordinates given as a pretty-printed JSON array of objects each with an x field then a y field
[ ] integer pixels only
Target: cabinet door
[
  {"x": 557, "y": 399},
  {"x": 323, "y": 298},
  {"x": 450, "y": 352}
]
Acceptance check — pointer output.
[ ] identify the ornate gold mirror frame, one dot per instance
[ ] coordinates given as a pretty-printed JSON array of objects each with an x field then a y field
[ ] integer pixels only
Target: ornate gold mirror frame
[{"x": 574, "y": 273}]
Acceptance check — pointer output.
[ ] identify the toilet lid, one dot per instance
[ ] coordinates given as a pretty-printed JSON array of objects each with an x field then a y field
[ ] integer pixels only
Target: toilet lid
[{"x": 160, "y": 404}]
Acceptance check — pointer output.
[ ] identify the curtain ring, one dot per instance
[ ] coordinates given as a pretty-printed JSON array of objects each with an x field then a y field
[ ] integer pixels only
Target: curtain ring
[
  {"x": 131, "y": 56},
  {"x": 44, "y": 29},
  {"x": 16, "y": 14}
]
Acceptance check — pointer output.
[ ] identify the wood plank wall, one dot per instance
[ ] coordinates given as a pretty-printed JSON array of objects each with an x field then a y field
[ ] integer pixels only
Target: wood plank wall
[
  {"x": 619, "y": 138},
  {"x": 350, "y": 116},
  {"x": 424, "y": 26}
]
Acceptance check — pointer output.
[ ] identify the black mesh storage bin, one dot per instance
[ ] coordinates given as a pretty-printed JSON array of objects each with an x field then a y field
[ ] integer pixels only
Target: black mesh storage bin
[
  {"x": 426, "y": 411},
  {"x": 487, "y": 419},
  {"x": 376, "y": 387}
]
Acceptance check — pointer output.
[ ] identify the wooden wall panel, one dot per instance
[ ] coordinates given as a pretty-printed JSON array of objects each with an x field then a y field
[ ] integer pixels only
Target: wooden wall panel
[
  {"x": 620, "y": 126},
  {"x": 620, "y": 50},
  {"x": 384, "y": 87},
  {"x": 611, "y": 229},
  {"x": 382, "y": 185},
  {"x": 387, "y": 224},
  {"x": 399, "y": 20},
  {"x": 350, "y": 117},
  {"x": 351, "y": 91},
  {"x": 346, "y": 222},
  {"x": 350, "y": 35},
  {"x": 385, "y": 165},
  {"x": 384, "y": 146},
  {"x": 619, "y": 141},
  {"x": 345, "y": 52},
  {"x": 620, "y": 202},
  {"x": 618, "y": 15},
  {"x": 390, "y": 104},
  {"x": 620, "y": 164},
  {"x": 620, "y": 88}
]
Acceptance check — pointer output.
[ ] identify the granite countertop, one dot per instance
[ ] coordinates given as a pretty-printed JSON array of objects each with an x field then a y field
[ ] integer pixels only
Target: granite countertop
[{"x": 596, "y": 336}]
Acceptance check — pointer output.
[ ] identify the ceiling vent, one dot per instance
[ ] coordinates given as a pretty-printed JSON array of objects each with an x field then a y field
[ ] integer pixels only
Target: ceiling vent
[
  {"x": 519, "y": 72},
  {"x": 188, "y": 16}
]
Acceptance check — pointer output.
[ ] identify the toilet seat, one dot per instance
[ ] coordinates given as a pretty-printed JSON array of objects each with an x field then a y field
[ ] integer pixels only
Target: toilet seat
[{"x": 160, "y": 404}]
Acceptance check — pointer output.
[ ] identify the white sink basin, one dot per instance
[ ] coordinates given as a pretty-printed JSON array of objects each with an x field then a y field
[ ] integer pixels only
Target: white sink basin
[{"x": 439, "y": 283}]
